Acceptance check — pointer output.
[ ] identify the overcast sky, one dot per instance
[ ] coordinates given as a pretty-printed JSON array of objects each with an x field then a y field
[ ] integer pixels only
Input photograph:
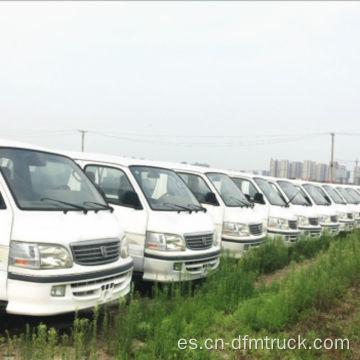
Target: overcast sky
[{"x": 174, "y": 80}]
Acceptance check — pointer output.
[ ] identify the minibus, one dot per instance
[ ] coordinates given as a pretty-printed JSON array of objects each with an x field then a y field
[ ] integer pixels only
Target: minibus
[
  {"x": 171, "y": 238},
  {"x": 307, "y": 217},
  {"x": 352, "y": 199},
  {"x": 321, "y": 202},
  {"x": 277, "y": 216},
  {"x": 345, "y": 215},
  {"x": 237, "y": 222},
  {"x": 61, "y": 247}
]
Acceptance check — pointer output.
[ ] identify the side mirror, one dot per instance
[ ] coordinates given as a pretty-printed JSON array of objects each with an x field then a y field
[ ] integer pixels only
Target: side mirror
[
  {"x": 259, "y": 198},
  {"x": 210, "y": 198},
  {"x": 131, "y": 198}
]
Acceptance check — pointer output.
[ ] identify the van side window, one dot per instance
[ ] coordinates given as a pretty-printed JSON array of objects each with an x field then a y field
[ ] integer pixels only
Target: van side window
[
  {"x": 197, "y": 185},
  {"x": 114, "y": 183},
  {"x": 246, "y": 187}
]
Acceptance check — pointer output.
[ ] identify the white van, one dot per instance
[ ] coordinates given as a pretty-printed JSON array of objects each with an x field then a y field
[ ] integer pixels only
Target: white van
[
  {"x": 328, "y": 216},
  {"x": 307, "y": 216},
  {"x": 352, "y": 199},
  {"x": 237, "y": 223},
  {"x": 345, "y": 215},
  {"x": 277, "y": 216},
  {"x": 170, "y": 236},
  {"x": 61, "y": 248}
]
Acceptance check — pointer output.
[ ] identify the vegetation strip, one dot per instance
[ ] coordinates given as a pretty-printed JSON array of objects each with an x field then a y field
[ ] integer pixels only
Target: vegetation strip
[{"x": 150, "y": 328}]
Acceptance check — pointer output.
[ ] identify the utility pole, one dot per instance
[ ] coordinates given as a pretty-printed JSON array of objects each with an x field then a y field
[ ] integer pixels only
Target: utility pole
[
  {"x": 83, "y": 132},
  {"x": 332, "y": 157}
]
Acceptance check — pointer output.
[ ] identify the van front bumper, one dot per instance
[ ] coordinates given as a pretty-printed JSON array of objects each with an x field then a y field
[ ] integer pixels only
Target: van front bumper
[
  {"x": 312, "y": 231},
  {"x": 289, "y": 237},
  {"x": 237, "y": 247},
  {"x": 333, "y": 228},
  {"x": 347, "y": 225},
  {"x": 31, "y": 295},
  {"x": 172, "y": 268}
]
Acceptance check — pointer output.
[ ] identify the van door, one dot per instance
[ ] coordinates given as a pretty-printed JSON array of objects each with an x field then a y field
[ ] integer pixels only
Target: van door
[
  {"x": 119, "y": 192},
  {"x": 6, "y": 217},
  {"x": 249, "y": 189},
  {"x": 201, "y": 189}
]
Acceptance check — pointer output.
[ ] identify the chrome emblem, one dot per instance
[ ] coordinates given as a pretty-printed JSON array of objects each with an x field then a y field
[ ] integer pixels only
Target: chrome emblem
[
  {"x": 103, "y": 251},
  {"x": 204, "y": 241}
]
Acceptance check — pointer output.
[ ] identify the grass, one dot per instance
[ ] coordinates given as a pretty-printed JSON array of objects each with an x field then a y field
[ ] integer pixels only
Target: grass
[{"x": 228, "y": 303}]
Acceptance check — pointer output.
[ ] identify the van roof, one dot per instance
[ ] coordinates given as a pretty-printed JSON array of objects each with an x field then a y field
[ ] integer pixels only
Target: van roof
[
  {"x": 125, "y": 161},
  {"x": 20, "y": 145}
]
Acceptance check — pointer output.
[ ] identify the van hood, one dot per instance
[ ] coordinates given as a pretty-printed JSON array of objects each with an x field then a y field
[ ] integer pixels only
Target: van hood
[
  {"x": 326, "y": 210},
  {"x": 282, "y": 212},
  {"x": 242, "y": 215},
  {"x": 59, "y": 228},
  {"x": 173, "y": 222},
  {"x": 308, "y": 211}
]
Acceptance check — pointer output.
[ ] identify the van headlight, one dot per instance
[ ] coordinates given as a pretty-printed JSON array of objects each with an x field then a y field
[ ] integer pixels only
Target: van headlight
[
  {"x": 303, "y": 220},
  {"x": 278, "y": 223},
  {"x": 124, "y": 248},
  {"x": 342, "y": 215},
  {"x": 235, "y": 229},
  {"x": 216, "y": 241},
  {"x": 325, "y": 219},
  {"x": 164, "y": 242},
  {"x": 39, "y": 256}
]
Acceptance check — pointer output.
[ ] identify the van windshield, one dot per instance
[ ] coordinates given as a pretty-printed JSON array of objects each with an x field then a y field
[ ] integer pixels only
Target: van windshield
[
  {"x": 334, "y": 194},
  {"x": 164, "y": 189},
  {"x": 354, "y": 194},
  {"x": 293, "y": 193},
  {"x": 348, "y": 198},
  {"x": 227, "y": 189},
  {"x": 270, "y": 192},
  {"x": 316, "y": 194},
  {"x": 45, "y": 181}
]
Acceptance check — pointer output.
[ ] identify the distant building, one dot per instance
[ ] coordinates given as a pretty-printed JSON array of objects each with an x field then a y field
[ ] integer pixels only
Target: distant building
[
  {"x": 295, "y": 170},
  {"x": 273, "y": 167},
  {"x": 283, "y": 168},
  {"x": 308, "y": 170},
  {"x": 357, "y": 175},
  {"x": 321, "y": 172},
  {"x": 265, "y": 172},
  {"x": 341, "y": 175}
]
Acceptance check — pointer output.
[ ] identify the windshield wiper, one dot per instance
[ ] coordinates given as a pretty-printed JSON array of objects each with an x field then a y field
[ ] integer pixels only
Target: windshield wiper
[
  {"x": 79, "y": 207},
  {"x": 197, "y": 207},
  {"x": 105, "y": 207},
  {"x": 287, "y": 203},
  {"x": 179, "y": 207},
  {"x": 240, "y": 202}
]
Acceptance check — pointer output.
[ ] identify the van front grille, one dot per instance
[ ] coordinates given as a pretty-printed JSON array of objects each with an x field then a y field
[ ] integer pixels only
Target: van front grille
[
  {"x": 314, "y": 221},
  {"x": 255, "y": 229},
  {"x": 293, "y": 224},
  {"x": 199, "y": 241},
  {"x": 96, "y": 252},
  {"x": 333, "y": 219},
  {"x": 349, "y": 215}
]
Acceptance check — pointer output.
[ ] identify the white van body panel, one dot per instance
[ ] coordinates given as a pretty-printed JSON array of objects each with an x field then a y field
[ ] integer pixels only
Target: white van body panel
[
  {"x": 268, "y": 210},
  {"x": 6, "y": 219},
  {"x": 223, "y": 213},
  {"x": 27, "y": 290},
  {"x": 322, "y": 210},
  {"x": 155, "y": 265}
]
